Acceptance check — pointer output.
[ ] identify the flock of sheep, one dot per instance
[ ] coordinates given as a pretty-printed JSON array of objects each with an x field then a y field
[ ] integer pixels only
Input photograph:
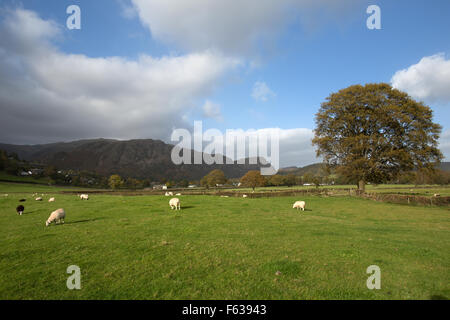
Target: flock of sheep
[
  {"x": 58, "y": 215},
  {"x": 175, "y": 202}
]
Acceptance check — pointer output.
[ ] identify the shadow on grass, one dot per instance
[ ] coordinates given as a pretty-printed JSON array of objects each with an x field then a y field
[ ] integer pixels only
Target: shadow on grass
[
  {"x": 438, "y": 297},
  {"x": 187, "y": 207},
  {"x": 27, "y": 212},
  {"x": 81, "y": 221}
]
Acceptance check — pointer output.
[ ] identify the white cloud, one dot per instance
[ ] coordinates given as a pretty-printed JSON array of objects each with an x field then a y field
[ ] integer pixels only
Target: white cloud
[
  {"x": 233, "y": 27},
  {"x": 48, "y": 95},
  {"x": 295, "y": 147},
  {"x": 128, "y": 10},
  {"x": 261, "y": 92},
  {"x": 428, "y": 80},
  {"x": 212, "y": 110}
]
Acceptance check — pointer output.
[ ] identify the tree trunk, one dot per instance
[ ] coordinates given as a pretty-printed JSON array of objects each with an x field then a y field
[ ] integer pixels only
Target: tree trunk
[{"x": 361, "y": 186}]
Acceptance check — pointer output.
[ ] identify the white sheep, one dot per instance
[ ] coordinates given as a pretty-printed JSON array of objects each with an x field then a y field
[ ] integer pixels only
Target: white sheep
[
  {"x": 436, "y": 195},
  {"x": 38, "y": 199},
  {"x": 244, "y": 196},
  {"x": 175, "y": 203},
  {"x": 84, "y": 197},
  {"x": 299, "y": 205},
  {"x": 58, "y": 214},
  {"x": 51, "y": 200},
  {"x": 178, "y": 194}
]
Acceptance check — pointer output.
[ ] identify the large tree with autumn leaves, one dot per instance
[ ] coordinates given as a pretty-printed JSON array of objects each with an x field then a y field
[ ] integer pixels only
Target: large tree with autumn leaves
[{"x": 373, "y": 133}]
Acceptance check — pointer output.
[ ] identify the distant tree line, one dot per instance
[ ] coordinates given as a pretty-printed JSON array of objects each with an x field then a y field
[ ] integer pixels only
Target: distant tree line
[{"x": 11, "y": 164}]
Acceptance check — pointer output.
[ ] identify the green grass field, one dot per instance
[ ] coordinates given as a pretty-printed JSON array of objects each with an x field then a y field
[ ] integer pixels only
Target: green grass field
[
  {"x": 135, "y": 247},
  {"x": 19, "y": 188}
]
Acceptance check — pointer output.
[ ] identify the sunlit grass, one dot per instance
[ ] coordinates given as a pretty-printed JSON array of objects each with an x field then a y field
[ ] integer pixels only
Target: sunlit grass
[{"x": 135, "y": 247}]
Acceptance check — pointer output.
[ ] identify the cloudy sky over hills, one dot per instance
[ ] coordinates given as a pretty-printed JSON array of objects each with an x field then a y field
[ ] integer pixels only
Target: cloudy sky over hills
[{"x": 141, "y": 68}]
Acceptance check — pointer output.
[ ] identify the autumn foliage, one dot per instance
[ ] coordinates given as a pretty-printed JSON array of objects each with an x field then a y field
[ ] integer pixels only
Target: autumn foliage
[{"x": 373, "y": 133}]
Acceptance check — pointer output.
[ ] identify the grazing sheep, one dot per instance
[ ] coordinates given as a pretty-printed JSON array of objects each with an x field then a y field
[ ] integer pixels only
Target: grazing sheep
[
  {"x": 51, "y": 200},
  {"x": 175, "y": 203},
  {"x": 224, "y": 196},
  {"x": 5, "y": 195},
  {"x": 84, "y": 197},
  {"x": 58, "y": 214},
  {"x": 299, "y": 205},
  {"x": 178, "y": 194},
  {"x": 20, "y": 209},
  {"x": 436, "y": 195},
  {"x": 38, "y": 199},
  {"x": 244, "y": 196}
]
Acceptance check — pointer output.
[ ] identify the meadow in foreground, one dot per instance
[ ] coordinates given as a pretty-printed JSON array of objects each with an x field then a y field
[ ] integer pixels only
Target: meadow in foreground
[{"x": 135, "y": 247}]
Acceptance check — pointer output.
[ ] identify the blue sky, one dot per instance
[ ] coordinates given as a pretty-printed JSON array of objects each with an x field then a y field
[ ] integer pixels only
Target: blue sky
[{"x": 303, "y": 53}]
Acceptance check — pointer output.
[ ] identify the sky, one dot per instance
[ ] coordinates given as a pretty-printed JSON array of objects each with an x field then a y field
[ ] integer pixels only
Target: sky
[{"x": 139, "y": 69}]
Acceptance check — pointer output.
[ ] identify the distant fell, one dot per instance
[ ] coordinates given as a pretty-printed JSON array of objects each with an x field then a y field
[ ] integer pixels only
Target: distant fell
[{"x": 142, "y": 159}]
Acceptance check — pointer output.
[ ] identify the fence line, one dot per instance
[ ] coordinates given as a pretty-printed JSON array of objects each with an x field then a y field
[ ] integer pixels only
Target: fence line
[
  {"x": 384, "y": 197},
  {"x": 408, "y": 199}
]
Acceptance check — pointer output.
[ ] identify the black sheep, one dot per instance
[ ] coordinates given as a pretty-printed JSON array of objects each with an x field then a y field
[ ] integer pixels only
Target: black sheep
[{"x": 20, "y": 209}]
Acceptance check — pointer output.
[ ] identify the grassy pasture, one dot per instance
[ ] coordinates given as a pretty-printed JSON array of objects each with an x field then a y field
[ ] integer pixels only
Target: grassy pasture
[
  {"x": 18, "y": 188},
  {"x": 135, "y": 247}
]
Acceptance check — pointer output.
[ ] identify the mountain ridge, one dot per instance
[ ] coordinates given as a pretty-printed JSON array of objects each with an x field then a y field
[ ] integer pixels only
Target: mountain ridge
[{"x": 137, "y": 158}]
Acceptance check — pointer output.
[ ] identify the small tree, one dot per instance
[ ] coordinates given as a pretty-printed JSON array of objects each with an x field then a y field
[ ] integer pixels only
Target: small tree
[
  {"x": 115, "y": 181},
  {"x": 308, "y": 177},
  {"x": 214, "y": 178},
  {"x": 133, "y": 183},
  {"x": 12, "y": 167},
  {"x": 183, "y": 183},
  {"x": 51, "y": 172},
  {"x": 3, "y": 159},
  {"x": 316, "y": 180},
  {"x": 290, "y": 180},
  {"x": 276, "y": 180},
  {"x": 204, "y": 182},
  {"x": 253, "y": 179}
]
